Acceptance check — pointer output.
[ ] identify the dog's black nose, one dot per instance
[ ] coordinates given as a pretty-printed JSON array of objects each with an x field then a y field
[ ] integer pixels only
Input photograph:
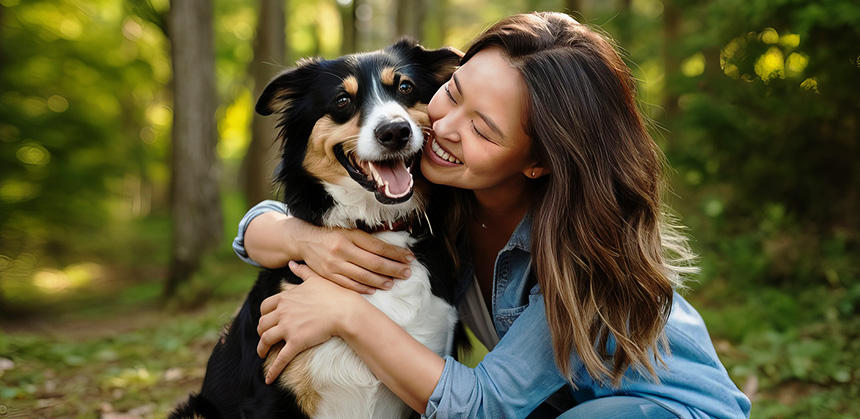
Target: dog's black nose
[{"x": 393, "y": 135}]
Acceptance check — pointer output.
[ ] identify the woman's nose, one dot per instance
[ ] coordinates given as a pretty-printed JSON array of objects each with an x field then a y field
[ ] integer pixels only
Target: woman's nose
[{"x": 446, "y": 128}]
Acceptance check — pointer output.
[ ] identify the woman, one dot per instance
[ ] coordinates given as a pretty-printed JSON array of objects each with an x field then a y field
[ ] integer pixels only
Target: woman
[{"x": 552, "y": 212}]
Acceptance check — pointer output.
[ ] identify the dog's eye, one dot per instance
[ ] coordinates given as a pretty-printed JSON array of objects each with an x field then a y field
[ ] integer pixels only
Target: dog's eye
[
  {"x": 405, "y": 87},
  {"x": 343, "y": 100}
]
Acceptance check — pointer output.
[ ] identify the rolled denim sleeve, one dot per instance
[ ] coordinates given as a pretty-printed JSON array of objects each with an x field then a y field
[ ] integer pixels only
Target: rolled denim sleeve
[
  {"x": 513, "y": 379},
  {"x": 263, "y": 207}
]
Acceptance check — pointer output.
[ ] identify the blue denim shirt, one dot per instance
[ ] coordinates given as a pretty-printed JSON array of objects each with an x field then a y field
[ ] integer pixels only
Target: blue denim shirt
[{"x": 520, "y": 372}]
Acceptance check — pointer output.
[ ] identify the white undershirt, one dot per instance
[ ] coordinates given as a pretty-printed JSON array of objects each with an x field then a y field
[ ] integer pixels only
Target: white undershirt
[{"x": 473, "y": 312}]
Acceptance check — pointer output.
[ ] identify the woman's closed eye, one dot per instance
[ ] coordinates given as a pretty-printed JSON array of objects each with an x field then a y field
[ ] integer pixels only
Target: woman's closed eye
[
  {"x": 448, "y": 92},
  {"x": 475, "y": 128}
]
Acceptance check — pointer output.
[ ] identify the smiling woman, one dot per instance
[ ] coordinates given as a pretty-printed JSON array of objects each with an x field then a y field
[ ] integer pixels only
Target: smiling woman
[{"x": 548, "y": 194}]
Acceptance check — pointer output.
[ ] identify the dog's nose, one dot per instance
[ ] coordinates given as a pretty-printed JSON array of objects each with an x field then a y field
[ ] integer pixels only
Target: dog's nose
[{"x": 393, "y": 135}]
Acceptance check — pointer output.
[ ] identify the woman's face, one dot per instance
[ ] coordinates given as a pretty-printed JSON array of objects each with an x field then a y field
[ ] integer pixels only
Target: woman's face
[{"x": 477, "y": 117}]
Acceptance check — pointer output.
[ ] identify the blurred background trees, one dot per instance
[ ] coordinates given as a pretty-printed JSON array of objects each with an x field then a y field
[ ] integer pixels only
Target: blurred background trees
[{"x": 755, "y": 103}]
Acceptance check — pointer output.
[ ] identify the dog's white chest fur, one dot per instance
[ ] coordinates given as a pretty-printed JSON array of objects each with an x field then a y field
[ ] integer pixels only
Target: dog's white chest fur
[{"x": 345, "y": 385}]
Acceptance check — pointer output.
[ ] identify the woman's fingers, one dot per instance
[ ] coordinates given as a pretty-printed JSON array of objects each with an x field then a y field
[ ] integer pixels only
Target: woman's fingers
[
  {"x": 363, "y": 276},
  {"x": 352, "y": 285},
  {"x": 267, "y": 339},
  {"x": 267, "y": 322},
  {"x": 270, "y": 303},
  {"x": 372, "y": 262},
  {"x": 287, "y": 353},
  {"x": 302, "y": 271},
  {"x": 381, "y": 248}
]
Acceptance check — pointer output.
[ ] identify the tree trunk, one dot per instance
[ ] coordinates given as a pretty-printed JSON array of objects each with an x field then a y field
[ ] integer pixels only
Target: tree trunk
[
  {"x": 195, "y": 199},
  {"x": 270, "y": 49},
  {"x": 671, "y": 61},
  {"x": 625, "y": 22},
  {"x": 347, "y": 22},
  {"x": 410, "y": 19}
]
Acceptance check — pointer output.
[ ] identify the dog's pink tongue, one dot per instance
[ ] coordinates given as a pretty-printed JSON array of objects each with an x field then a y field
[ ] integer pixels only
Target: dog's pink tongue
[{"x": 396, "y": 176}]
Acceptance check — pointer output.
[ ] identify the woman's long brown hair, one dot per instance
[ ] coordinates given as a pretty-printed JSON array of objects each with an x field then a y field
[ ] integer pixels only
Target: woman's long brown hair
[{"x": 606, "y": 255}]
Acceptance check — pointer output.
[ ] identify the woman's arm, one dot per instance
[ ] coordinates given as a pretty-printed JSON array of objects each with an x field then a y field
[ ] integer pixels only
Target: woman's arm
[{"x": 353, "y": 259}]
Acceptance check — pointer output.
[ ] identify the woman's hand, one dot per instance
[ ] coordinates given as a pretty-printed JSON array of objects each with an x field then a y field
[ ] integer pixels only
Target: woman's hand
[
  {"x": 354, "y": 259},
  {"x": 350, "y": 258},
  {"x": 303, "y": 316}
]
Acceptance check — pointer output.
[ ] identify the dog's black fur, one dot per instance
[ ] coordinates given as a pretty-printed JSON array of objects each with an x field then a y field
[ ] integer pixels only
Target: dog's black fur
[{"x": 234, "y": 384}]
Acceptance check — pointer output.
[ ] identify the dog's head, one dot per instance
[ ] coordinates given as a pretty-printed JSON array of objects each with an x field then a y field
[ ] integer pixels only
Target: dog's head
[{"x": 357, "y": 122}]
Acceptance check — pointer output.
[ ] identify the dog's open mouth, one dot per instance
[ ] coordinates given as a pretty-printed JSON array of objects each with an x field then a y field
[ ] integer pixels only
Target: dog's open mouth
[{"x": 390, "y": 180}]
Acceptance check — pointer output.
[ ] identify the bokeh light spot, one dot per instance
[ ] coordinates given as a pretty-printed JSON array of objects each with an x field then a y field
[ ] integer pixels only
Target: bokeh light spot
[
  {"x": 771, "y": 65},
  {"x": 790, "y": 40},
  {"x": 769, "y": 36},
  {"x": 33, "y": 154},
  {"x": 795, "y": 64},
  {"x": 58, "y": 103},
  {"x": 693, "y": 66}
]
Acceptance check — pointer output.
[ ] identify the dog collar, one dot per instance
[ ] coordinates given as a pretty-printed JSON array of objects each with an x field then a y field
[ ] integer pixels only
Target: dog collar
[{"x": 399, "y": 225}]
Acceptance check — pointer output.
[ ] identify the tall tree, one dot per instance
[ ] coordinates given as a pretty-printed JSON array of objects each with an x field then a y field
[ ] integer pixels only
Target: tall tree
[
  {"x": 671, "y": 61},
  {"x": 409, "y": 19},
  {"x": 270, "y": 49},
  {"x": 348, "y": 28},
  {"x": 625, "y": 23},
  {"x": 195, "y": 198}
]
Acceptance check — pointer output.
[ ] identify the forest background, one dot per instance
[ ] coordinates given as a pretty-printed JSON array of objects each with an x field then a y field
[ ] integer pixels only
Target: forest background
[{"x": 116, "y": 275}]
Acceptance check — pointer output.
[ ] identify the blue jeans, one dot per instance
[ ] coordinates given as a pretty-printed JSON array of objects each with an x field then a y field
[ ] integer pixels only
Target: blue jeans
[{"x": 618, "y": 407}]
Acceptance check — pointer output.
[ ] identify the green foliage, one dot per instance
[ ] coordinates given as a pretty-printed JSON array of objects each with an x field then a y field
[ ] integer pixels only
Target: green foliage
[
  {"x": 767, "y": 140},
  {"x": 75, "y": 81}
]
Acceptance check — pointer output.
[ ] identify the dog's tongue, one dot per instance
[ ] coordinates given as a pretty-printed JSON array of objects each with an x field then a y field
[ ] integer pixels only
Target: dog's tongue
[{"x": 396, "y": 181}]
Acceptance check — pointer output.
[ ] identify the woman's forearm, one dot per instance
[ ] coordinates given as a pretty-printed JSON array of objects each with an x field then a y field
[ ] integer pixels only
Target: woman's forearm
[
  {"x": 268, "y": 239},
  {"x": 404, "y": 365}
]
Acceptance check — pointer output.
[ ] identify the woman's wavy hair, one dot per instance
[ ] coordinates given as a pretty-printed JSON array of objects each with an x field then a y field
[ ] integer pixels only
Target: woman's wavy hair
[{"x": 605, "y": 252}]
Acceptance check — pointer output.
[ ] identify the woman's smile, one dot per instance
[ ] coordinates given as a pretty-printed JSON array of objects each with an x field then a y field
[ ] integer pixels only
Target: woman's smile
[{"x": 437, "y": 154}]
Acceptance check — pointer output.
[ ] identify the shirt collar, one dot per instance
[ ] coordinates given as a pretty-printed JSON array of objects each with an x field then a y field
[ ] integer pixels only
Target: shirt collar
[{"x": 522, "y": 237}]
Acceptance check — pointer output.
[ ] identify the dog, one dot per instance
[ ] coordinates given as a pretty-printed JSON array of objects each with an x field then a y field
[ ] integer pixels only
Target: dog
[{"x": 352, "y": 130}]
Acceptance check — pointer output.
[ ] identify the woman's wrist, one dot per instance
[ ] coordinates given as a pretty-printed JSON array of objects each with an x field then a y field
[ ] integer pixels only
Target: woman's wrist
[
  {"x": 290, "y": 230},
  {"x": 355, "y": 313},
  {"x": 270, "y": 239}
]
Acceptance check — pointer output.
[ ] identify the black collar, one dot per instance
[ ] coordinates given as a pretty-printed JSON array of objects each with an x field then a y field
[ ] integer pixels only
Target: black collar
[{"x": 399, "y": 225}]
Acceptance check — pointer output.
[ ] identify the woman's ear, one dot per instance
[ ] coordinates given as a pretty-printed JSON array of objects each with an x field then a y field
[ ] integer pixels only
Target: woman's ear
[{"x": 535, "y": 171}]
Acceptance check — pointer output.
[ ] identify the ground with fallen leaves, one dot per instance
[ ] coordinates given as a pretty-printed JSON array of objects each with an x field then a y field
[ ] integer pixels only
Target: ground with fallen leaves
[{"x": 137, "y": 359}]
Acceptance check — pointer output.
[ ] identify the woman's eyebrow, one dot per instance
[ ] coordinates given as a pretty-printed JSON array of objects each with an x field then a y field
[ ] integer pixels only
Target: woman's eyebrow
[{"x": 486, "y": 119}]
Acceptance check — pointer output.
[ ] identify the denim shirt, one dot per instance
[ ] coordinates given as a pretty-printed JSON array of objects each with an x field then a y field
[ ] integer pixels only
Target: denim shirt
[{"x": 520, "y": 372}]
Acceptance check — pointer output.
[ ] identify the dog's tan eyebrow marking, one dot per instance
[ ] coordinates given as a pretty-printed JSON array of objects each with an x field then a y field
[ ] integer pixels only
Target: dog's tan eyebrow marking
[
  {"x": 350, "y": 84},
  {"x": 387, "y": 75}
]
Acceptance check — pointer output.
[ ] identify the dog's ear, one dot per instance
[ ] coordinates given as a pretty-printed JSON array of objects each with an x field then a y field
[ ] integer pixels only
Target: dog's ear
[
  {"x": 441, "y": 62},
  {"x": 285, "y": 87}
]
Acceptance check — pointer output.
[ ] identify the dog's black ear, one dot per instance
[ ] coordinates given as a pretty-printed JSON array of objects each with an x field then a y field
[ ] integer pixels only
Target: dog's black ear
[
  {"x": 285, "y": 87},
  {"x": 441, "y": 62}
]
